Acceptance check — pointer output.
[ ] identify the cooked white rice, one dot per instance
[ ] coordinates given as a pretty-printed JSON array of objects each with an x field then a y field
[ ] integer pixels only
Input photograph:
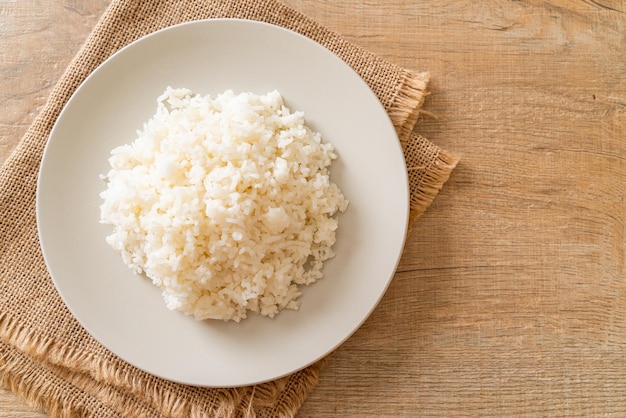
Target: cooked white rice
[{"x": 225, "y": 203}]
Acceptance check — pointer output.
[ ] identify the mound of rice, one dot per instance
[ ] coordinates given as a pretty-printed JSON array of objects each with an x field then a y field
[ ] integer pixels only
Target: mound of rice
[{"x": 225, "y": 203}]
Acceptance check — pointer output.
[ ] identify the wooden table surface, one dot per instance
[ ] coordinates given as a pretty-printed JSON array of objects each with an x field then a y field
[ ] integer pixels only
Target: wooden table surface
[{"x": 510, "y": 298}]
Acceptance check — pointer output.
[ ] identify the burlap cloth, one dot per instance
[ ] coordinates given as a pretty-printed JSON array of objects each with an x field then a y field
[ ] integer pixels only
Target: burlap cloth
[{"x": 45, "y": 355}]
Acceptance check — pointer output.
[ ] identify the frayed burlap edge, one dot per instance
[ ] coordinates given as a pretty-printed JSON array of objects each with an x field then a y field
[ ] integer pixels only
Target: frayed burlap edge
[
  {"x": 101, "y": 383},
  {"x": 45, "y": 389},
  {"x": 407, "y": 103},
  {"x": 48, "y": 388},
  {"x": 426, "y": 179}
]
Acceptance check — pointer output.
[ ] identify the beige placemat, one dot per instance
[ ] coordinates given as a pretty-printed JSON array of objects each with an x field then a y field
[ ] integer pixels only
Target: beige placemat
[{"x": 45, "y": 355}]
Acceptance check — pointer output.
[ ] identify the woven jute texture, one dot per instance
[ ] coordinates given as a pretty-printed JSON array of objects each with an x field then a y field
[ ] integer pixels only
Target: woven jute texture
[{"x": 45, "y": 355}]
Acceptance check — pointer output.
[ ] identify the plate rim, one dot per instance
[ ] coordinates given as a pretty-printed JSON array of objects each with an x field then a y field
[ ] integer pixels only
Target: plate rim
[{"x": 51, "y": 143}]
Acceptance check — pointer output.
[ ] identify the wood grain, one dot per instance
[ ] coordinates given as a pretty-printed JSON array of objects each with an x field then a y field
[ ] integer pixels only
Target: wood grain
[{"x": 510, "y": 298}]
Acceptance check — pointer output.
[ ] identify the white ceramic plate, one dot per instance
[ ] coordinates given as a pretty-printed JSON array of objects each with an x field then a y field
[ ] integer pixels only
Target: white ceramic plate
[{"x": 125, "y": 312}]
